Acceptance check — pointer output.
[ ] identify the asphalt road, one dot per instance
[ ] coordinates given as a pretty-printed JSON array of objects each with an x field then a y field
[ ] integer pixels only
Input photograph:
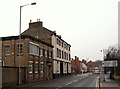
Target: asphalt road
[{"x": 85, "y": 81}]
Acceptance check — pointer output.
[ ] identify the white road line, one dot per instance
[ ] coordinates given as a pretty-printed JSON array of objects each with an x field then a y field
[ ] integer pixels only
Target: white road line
[
  {"x": 97, "y": 83},
  {"x": 75, "y": 80},
  {"x": 68, "y": 83}
]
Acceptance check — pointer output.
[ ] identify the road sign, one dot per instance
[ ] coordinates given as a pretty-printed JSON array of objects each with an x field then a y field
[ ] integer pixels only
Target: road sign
[{"x": 109, "y": 63}]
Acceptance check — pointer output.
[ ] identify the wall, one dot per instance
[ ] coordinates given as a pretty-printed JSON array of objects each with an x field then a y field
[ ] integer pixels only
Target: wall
[{"x": 10, "y": 76}]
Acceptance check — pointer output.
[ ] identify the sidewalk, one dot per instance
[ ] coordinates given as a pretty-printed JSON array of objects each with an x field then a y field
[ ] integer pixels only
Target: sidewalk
[{"x": 109, "y": 83}]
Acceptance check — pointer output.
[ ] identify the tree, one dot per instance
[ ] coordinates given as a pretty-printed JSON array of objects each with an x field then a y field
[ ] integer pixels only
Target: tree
[{"x": 113, "y": 53}]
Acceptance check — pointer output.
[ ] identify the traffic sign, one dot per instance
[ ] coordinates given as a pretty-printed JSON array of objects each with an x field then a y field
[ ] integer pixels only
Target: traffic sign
[{"x": 109, "y": 63}]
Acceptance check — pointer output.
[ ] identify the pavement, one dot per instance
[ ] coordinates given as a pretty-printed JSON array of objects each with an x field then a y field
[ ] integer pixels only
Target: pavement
[{"x": 108, "y": 83}]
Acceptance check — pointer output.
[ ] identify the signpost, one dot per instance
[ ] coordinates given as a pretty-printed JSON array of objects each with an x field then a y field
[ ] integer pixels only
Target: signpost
[{"x": 110, "y": 63}]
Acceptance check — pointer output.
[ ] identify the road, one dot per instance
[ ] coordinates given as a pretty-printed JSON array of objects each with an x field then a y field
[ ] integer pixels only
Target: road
[{"x": 75, "y": 81}]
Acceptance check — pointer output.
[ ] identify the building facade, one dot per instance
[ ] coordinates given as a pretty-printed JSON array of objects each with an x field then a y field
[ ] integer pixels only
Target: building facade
[
  {"x": 76, "y": 65},
  {"x": 33, "y": 56},
  {"x": 61, "y": 56},
  {"x": 61, "y": 50}
]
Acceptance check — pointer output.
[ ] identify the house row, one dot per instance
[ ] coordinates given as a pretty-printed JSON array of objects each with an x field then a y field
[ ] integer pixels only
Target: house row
[
  {"x": 78, "y": 66},
  {"x": 84, "y": 66},
  {"x": 37, "y": 54}
]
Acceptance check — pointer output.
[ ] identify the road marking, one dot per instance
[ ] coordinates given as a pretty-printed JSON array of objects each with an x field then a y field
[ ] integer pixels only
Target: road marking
[
  {"x": 97, "y": 83},
  {"x": 75, "y": 80},
  {"x": 68, "y": 83}
]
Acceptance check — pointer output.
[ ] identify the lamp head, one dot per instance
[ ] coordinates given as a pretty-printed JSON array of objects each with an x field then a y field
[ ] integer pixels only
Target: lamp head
[{"x": 34, "y": 3}]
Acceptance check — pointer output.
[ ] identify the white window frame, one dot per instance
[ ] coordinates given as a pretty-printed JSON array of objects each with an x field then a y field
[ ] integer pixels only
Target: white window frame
[
  {"x": 31, "y": 65},
  {"x": 33, "y": 51}
]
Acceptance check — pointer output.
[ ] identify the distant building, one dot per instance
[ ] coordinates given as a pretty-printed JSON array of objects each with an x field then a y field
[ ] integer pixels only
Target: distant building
[
  {"x": 90, "y": 66},
  {"x": 76, "y": 65},
  {"x": 61, "y": 50},
  {"x": 83, "y": 67}
]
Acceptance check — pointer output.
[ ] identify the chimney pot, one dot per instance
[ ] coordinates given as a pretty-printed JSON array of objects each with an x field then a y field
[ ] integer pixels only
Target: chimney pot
[{"x": 30, "y": 21}]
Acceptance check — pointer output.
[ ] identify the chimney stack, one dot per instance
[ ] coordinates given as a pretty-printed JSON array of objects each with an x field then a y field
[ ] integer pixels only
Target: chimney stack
[
  {"x": 75, "y": 57},
  {"x": 35, "y": 24}
]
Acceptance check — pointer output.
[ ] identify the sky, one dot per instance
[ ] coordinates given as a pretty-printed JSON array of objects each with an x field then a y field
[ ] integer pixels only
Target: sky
[{"x": 88, "y": 25}]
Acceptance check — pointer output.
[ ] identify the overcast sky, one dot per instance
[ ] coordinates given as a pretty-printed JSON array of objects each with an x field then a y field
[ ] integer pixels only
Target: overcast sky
[{"x": 88, "y": 25}]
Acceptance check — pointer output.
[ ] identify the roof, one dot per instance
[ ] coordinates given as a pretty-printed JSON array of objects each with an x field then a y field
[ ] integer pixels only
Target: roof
[
  {"x": 54, "y": 33},
  {"x": 25, "y": 36}
]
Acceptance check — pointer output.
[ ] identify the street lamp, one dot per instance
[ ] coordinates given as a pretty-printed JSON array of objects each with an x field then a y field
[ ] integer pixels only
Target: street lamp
[
  {"x": 103, "y": 66},
  {"x": 20, "y": 34}
]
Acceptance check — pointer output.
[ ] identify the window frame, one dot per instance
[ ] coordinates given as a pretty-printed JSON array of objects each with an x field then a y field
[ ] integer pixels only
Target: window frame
[{"x": 7, "y": 51}]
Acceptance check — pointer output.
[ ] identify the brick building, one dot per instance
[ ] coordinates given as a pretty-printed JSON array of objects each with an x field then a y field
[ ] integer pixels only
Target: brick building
[
  {"x": 34, "y": 57},
  {"x": 76, "y": 65},
  {"x": 90, "y": 66},
  {"x": 61, "y": 50}
]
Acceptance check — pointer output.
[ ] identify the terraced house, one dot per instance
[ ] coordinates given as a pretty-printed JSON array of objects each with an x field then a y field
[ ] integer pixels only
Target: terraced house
[{"x": 61, "y": 49}]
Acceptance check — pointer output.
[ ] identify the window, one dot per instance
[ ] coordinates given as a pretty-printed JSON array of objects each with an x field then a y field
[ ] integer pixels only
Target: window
[
  {"x": 62, "y": 44},
  {"x": 7, "y": 50},
  {"x": 33, "y": 49},
  {"x": 66, "y": 47},
  {"x": 69, "y": 57},
  {"x": 36, "y": 67},
  {"x": 62, "y": 55},
  {"x": 30, "y": 66},
  {"x": 57, "y": 41},
  {"x": 57, "y": 66},
  {"x": 50, "y": 54},
  {"x": 57, "y": 52},
  {"x": 45, "y": 53},
  {"x": 20, "y": 49},
  {"x": 41, "y": 52},
  {"x": 69, "y": 48},
  {"x": 41, "y": 67}
]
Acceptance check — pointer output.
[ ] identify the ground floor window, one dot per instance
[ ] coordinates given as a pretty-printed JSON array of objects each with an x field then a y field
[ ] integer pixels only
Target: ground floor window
[
  {"x": 30, "y": 67},
  {"x": 41, "y": 67},
  {"x": 36, "y": 67}
]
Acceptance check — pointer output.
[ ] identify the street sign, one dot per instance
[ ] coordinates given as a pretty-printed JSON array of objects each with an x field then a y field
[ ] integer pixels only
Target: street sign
[{"x": 109, "y": 63}]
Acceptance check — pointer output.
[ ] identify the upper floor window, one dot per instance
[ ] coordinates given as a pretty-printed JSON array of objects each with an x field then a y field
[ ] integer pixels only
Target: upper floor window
[
  {"x": 62, "y": 55},
  {"x": 20, "y": 49},
  {"x": 33, "y": 49},
  {"x": 69, "y": 57},
  {"x": 50, "y": 54},
  {"x": 41, "y": 52},
  {"x": 57, "y": 41},
  {"x": 46, "y": 53},
  {"x": 7, "y": 50},
  {"x": 69, "y": 48},
  {"x": 57, "y": 52},
  {"x": 62, "y": 44}
]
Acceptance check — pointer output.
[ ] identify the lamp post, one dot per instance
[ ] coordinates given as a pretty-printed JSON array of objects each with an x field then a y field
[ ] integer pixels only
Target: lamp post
[
  {"x": 103, "y": 66},
  {"x": 20, "y": 37}
]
